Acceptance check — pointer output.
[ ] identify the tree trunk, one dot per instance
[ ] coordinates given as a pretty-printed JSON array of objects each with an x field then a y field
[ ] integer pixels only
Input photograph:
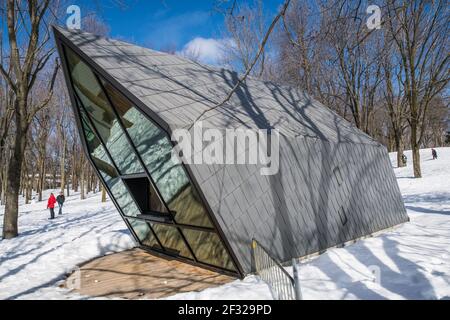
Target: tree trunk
[
  {"x": 54, "y": 179},
  {"x": 25, "y": 183},
  {"x": 62, "y": 166},
  {"x": 68, "y": 186},
  {"x": 415, "y": 146},
  {"x": 41, "y": 178},
  {"x": 103, "y": 193},
  {"x": 400, "y": 149},
  {"x": 415, "y": 151},
  {"x": 32, "y": 181},
  {"x": 21, "y": 182},
  {"x": 2, "y": 193},
  {"x": 27, "y": 58},
  {"x": 93, "y": 184},
  {"x": 89, "y": 181},
  {"x": 82, "y": 182},
  {"x": 10, "y": 219},
  {"x": 28, "y": 191},
  {"x": 74, "y": 173},
  {"x": 4, "y": 186},
  {"x": 11, "y": 216}
]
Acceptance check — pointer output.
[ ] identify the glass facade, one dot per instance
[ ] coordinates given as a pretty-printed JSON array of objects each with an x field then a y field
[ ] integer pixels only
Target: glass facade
[
  {"x": 105, "y": 167},
  {"x": 134, "y": 158},
  {"x": 171, "y": 239},
  {"x": 208, "y": 248},
  {"x": 144, "y": 233},
  {"x": 92, "y": 97},
  {"x": 155, "y": 149}
]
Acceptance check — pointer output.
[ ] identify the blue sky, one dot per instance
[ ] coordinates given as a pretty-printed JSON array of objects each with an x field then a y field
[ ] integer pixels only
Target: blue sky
[
  {"x": 163, "y": 23},
  {"x": 160, "y": 23}
]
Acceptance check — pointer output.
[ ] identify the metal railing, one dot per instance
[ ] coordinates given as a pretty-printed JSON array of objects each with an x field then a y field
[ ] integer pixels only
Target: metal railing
[{"x": 281, "y": 283}]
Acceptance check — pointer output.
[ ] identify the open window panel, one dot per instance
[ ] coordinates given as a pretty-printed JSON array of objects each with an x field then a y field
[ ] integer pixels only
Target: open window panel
[{"x": 147, "y": 199}]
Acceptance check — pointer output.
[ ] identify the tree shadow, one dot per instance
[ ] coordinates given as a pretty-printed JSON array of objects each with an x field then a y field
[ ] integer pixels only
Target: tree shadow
[
  {"x": 427, "y": 210},
  {"x": 134, "y": 274},
  {"x": 179, "y": 91},
  {"x": 41, "y": 249}
]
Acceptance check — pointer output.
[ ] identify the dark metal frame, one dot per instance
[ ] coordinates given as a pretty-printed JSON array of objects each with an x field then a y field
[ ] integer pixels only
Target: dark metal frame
[{"x": 151, "y": 116}]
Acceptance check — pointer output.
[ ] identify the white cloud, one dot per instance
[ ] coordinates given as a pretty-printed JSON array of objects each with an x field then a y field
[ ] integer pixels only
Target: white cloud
[{"x": 209, "y": 51}]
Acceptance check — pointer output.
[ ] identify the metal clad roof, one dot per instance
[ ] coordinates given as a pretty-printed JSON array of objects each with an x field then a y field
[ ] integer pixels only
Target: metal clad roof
[{"x": 179, "y": 91}]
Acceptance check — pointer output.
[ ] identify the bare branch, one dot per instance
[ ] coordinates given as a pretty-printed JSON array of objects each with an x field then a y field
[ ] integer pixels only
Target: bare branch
[{"x": 255, "y": 60}]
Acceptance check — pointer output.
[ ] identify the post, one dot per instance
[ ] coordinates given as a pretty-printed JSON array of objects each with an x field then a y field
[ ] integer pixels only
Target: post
[
  {"x": 253, "y": 262},
  {"x": 296, "y": 272}
]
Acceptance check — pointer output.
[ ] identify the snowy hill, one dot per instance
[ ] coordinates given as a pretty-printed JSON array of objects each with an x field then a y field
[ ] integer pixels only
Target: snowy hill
[{"x": 411, "y": 261}]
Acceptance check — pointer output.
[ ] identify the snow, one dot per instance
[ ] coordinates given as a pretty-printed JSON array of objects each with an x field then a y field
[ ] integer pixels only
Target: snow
[
  {"x": 34, "y": 264},
  {"x": 411, "y": 261}
]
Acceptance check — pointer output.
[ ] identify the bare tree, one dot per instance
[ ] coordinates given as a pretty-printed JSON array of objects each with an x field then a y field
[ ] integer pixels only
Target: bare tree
[
  {"x": 356, "y": 55},
  {"x": 245, "y": 28},
  {"x": 301, "y": 49},
  {"x": 436, "y": 123},
  {"x": 42, "y": 128},
  {"x": 393, "y": 96},
  {"x": 28, "y": 38},
  {"x": 256, "y": 58},
  {"x": 326, "y": 49},
  {"x": 94, "y": 24},
  {"x": 420, "y": 31}
]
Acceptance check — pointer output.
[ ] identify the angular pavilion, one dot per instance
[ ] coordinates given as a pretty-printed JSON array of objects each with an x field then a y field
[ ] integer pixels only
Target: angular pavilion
[{"x": 334, "y": 182}]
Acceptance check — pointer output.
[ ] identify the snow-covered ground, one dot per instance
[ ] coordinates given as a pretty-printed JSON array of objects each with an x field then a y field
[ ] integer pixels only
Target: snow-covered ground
[
  {"x": 411, "y": 261},
  {"x": 34, "y": 264}
]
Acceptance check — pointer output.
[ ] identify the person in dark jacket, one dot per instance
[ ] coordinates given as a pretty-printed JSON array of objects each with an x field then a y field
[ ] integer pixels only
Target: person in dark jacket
[
  {"x": 60, "y": 199},
  {"x": 434, "y": 154},
  {"x": 404, "y": 160},
  {"x": 51, "y": 205}
]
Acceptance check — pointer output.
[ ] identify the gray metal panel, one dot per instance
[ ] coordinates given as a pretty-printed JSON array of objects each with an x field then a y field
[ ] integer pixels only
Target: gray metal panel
[
  {"x": 293, "y": 219},
  {"x": 179, "y": 90},
  {"x": 293, "y": 213}
]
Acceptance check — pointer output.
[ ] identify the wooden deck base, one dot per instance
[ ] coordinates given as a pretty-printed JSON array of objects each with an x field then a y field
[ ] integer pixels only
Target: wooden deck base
[{"x": 136, "y": 274}]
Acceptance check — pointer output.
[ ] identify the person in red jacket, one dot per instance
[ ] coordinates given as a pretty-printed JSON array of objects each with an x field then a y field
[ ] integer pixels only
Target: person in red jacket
[{"x": 51, "y": 205}]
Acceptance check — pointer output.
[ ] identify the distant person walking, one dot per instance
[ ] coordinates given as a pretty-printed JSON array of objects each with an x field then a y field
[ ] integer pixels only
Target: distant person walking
[
  {"x": 51, "y": 205},
  {"x": 404, "y": 160},
  {"x": 60, "y": 199},
  {"x": 434, "y": 154}
]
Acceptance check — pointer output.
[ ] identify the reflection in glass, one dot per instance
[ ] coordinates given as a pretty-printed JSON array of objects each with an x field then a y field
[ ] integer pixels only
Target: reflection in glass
[
  {"x": 94, "y": 101},
  {"x": 156, "y": 205},
  {"x": 144, "y": 233},
  {"x": 171, "y": 239},
  {"x": 109, "y": 174},
  {"x": 208, "y": 248},
  {"x": 155, "y": 149},
  {"x": 171, "y": 187}
]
